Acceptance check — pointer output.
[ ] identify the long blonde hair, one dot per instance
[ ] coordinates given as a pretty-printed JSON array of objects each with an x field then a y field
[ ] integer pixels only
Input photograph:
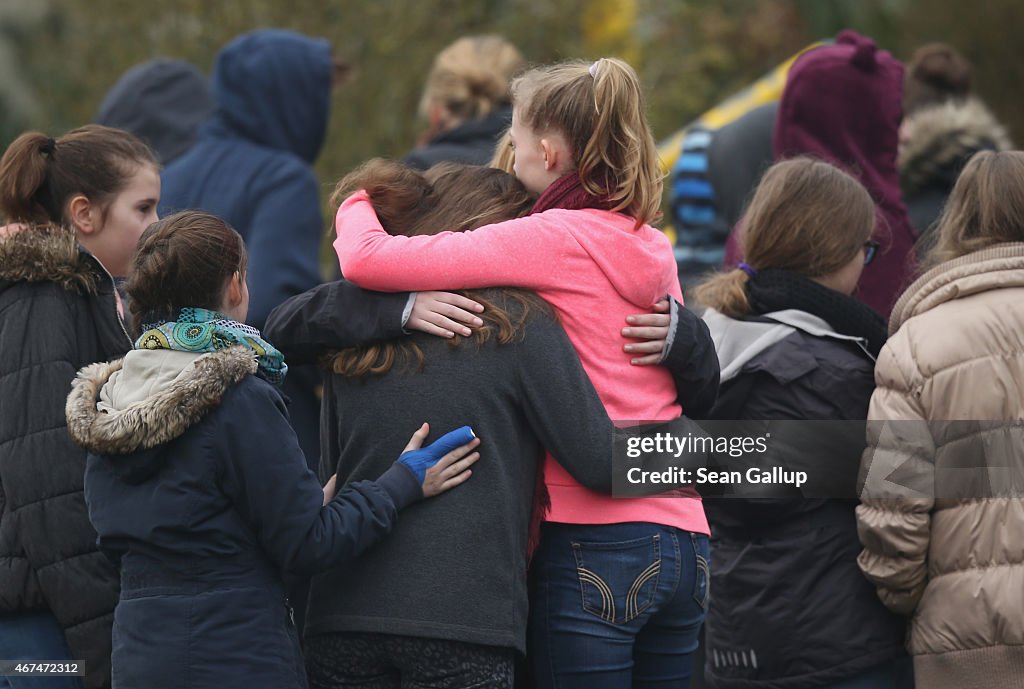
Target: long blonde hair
[
  {"x": 599, "y": 108},
  {"x": 807, "y": 217},
  {"x": 986, "y": 207}
]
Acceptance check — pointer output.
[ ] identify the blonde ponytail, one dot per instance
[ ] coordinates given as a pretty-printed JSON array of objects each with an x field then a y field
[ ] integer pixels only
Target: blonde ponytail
[
  {"x": 599, "y": 108},
  {"x": 725, "y": 292}
]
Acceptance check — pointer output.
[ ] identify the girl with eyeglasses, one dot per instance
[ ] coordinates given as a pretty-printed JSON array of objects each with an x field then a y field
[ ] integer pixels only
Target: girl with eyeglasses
[{"x": 789, "y": 606}]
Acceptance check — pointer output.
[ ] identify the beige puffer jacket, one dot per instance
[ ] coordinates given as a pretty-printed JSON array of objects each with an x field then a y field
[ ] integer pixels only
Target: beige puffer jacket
[{"x": 942, "y": 513}]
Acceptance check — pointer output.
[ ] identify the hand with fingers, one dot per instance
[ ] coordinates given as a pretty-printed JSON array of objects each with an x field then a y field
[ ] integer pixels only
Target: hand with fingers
[
  {"x": 444, "y": 314},
  {"x": 444, "y": 463},
  {"x": 651, "y": 327}
]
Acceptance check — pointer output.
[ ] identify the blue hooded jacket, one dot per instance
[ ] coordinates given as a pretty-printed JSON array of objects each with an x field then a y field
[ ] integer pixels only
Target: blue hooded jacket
[
  {"x": 252, "y": 162},
  {"x": 252, "y": 167},
  {"x": 163, "y": 102}
]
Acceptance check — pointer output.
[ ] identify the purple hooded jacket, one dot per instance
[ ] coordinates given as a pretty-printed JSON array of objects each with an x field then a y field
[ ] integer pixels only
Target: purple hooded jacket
[{"x": 842, "y": 103}]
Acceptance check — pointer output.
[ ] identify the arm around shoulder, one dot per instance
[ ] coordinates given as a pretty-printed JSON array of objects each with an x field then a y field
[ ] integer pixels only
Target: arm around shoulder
[
  {"x": 524, "y": 252},
  {"x": 334, "y": 315}
]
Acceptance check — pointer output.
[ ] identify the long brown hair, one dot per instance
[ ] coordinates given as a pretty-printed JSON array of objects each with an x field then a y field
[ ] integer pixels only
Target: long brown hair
[
  {"x": 449, "y": 196},
  {"x": 599, "y": 109},
  {"x": 807, "y": 217},
  {"x": 183, "y": 260},
  {"x": 40, "y": 175},
  {"x": 986, "y": 207}
]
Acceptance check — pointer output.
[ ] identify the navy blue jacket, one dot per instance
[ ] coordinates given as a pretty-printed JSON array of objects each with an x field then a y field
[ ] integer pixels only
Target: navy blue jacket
[
  {"x": 201, "y": 493},
  {"x": 252, "y": 166}
]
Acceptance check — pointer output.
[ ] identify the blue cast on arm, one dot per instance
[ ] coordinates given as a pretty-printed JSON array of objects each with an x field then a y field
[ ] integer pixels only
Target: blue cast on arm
[{"x": 418, "y": 461}]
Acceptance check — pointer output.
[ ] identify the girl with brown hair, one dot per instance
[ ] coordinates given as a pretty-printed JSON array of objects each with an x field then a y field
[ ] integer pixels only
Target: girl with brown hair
[
  {"x": 789, "y": 607},
  {"x": 942, "y": 542},
  {"x": 582, "y": 142},
  {"x": 196, "y": 482},
  {"x": 77, "y": 205}
]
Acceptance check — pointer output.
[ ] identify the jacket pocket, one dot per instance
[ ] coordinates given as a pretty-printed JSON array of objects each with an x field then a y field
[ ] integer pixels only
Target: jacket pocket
[
  {"x": 618, "y": 580},
  {"x": 702, "y": 578}
]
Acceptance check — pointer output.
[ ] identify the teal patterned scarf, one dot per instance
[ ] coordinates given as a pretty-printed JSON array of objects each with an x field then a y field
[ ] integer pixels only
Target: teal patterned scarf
[{"x": 202, "y": 330}]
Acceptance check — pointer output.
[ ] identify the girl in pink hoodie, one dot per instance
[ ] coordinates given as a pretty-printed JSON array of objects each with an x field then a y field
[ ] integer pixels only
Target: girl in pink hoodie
[{"x": 620, "y": 583}]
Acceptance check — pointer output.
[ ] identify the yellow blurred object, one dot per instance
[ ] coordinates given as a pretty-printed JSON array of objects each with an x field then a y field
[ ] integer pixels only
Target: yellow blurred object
[{"x": 608, "y": 29}]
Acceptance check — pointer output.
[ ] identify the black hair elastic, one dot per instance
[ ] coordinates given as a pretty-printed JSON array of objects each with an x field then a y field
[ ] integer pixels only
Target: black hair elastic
[{"x": 48, "y": 147}]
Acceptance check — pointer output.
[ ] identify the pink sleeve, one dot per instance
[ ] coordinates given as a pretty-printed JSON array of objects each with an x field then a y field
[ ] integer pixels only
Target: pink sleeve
[{"x": 515, "y": 253}]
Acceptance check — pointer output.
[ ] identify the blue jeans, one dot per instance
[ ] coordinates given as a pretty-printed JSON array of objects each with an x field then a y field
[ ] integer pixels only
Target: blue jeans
[
  {"x": 34, "y": 636},
  {"x": 617, "y": 605}
]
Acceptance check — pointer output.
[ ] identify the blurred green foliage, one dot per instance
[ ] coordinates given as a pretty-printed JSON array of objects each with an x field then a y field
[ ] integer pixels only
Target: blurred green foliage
[{"x": 60, "y": 56}]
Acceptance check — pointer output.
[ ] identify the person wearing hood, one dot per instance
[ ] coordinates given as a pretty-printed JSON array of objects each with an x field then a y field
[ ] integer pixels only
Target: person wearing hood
[
  {"x": 842, "y": 103},
  {"x": 163, "y": 102},
  {"x": 789, "y": 607},
  {"x": 943, "y": 126},
  {"x": 466, "y": 102},
  {"x": 77, "y": 205},
  {"x": 942, "y": 529},
  {"x": 197, "y": 486},
  {"x": 252, "y": 166}
]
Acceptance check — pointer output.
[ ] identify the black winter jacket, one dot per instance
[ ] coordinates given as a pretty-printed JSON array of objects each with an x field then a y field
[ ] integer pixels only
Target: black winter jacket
[
  {"x": 789, "y": 608},
  {"x": 57, "y": 313}
]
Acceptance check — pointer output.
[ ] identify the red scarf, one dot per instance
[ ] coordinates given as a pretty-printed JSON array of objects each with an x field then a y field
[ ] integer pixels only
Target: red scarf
[{"x": 567, "y": 192}]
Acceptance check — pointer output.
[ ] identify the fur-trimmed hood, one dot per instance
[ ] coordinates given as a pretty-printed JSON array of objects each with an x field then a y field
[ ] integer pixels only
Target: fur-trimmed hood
[
  {"x": 938, "y": 140},
  {"x": 47, "y": 253},
  {"x": 165, "y": 414}
]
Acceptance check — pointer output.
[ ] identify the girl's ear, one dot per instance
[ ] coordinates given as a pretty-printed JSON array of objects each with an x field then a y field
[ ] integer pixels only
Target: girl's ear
[
  {"x": 234, "y": 295},
  {"x": 556, "y": 154},
  {"x": 84, "y": 215}
]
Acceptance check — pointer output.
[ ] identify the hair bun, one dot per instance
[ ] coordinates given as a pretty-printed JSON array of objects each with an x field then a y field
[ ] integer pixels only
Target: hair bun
[
  {"x": 864, "y": 49},
  {"x": 942, "y": 67}
]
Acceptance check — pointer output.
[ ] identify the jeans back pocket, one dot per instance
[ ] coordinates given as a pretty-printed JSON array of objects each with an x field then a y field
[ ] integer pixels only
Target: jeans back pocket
[
  {"x": 702, "y": 580},
  {"x": 618, "y": 580}
]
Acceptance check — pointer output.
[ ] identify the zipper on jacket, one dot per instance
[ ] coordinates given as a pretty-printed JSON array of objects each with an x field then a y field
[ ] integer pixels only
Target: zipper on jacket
[{"x": 117, "y": 313}]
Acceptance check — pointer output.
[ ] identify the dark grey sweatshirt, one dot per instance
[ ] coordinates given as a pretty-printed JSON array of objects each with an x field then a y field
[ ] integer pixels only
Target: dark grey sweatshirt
[{"x": 455, "y": 565}]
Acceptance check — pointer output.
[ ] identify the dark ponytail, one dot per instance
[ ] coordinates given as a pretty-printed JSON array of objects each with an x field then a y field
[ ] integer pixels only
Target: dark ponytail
[
  {"x": 22, "y": 178},
  {"x": 39, "y": 175},
  {"x": 183, "y": 260}
]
